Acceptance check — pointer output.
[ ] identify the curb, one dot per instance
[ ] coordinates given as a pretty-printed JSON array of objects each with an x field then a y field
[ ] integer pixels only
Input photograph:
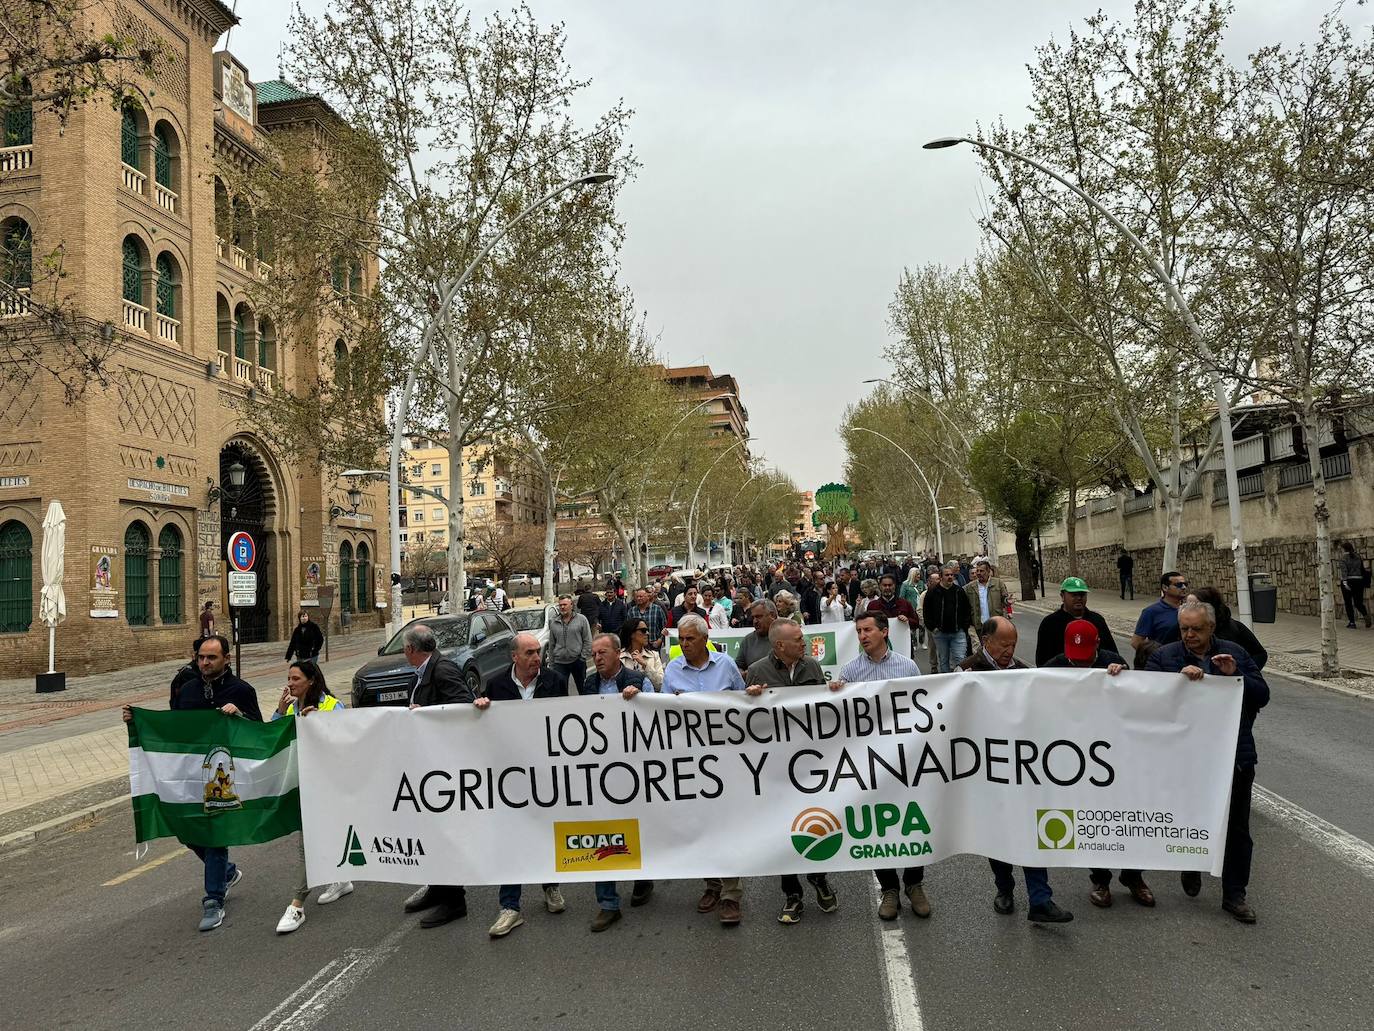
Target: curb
[
  {"x": 1297, "y": 677},
  {"x": 70, "y": 821}
]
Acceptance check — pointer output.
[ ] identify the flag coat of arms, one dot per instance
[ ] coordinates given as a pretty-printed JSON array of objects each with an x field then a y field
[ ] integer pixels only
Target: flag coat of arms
[{"x": 210, "y": 779}]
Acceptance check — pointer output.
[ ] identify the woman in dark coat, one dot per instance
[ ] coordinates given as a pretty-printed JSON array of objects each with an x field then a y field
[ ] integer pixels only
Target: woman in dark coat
[{"x": 306, "y": 640}]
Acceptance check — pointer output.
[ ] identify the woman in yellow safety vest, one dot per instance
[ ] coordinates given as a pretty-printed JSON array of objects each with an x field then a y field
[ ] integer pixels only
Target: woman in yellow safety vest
[{"x": 306, "y": 692}]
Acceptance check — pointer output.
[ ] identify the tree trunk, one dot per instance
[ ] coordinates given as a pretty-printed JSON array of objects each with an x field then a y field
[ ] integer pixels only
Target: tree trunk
[
  {"x": 1173, "y": 508},
  {"x": 1071, "y": 529},
  {"x": 1025, "y": 565},
  {"x": 608, "y": 513},
  {"x": 550, "y": 540},
  {"x": 1321, "y": 517}
]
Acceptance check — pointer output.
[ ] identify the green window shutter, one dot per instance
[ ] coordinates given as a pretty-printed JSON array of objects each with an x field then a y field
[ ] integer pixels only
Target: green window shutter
[
  {"x": 355, "y": 279},
  {"x": 128, "y": 138},
  {"x": 162, "y": 158},
  {"x": 136, "y": 599},
  {"x": 262, "y": 349},
  {"x": 133, "y": 272},
  {"x": 336, "y": 276},
  {"x": 240, "y": 339},
  {"x": 18, "y": 125},
  {"x": 169, "y": 575},
  {"x": 345, "y": 577},
  {"x": 364, "y": 576},
  {"x": 16, "y": 578},
  {"x": 17, "y": 258},
  {"x": 166, "y": 289}
]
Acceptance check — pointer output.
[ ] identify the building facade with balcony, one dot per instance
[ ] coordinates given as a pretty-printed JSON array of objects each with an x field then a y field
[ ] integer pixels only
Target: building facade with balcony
[
  {"x": 495, "y": 487},
  {"x": 727, "y": 417},
  {"x": 159, "y": 460}
]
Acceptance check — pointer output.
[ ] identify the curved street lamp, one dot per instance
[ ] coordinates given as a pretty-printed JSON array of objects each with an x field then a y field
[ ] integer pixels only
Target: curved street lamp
[
  {"x": 1228, "y": 446},
  {"x": 691, "y": 512},
  {"x": 934, "y": 502}
]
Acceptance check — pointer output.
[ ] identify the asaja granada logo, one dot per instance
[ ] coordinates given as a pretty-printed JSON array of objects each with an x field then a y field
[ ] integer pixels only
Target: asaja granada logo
[
  {"x": 385, "y": 849},
  {"x": 1054, "y": 828},
  {"x": 816, "y": 834},
  {"x": 596, "y": 845}
]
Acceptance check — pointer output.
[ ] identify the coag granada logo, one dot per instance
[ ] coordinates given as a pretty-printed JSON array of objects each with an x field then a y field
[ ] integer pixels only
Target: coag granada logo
[{"x": 816, "y": 834}]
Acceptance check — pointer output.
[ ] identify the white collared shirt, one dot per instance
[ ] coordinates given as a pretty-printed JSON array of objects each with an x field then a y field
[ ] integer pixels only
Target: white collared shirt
[
  {"x": 525, "y": 692},
  {"x": 419, "y": 675}
]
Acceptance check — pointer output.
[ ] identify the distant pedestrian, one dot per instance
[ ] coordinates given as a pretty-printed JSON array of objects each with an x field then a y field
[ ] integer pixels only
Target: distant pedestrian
[
  {"x": 1354, "y": 580},
  {"x": 948, "y": 617},
  {"x": 207, "y": 619},
  {"x": 1125, "y": 568},
  {"x": 588, "y": 603},
  {"x": 306, "y": 639},
  {"x": 570, "y": 642},
  {"x": 306, "y": 692},
  {"x": 216, "y": 688},
  {"x": 652, "y": 613},
  {"x": 834, "y": 608},
  {"x": 612, "y": 612},
  {"x": 188, "y": 672}
]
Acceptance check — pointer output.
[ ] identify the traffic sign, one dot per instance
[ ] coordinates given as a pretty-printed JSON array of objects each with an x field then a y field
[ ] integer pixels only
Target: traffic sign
[
  {"x": 242, "y": 552},
  {"x": 243, "y": 583}
]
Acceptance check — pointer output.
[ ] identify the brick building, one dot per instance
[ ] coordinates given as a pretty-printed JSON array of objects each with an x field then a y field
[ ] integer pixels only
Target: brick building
[{"x": 158, "y": 469}]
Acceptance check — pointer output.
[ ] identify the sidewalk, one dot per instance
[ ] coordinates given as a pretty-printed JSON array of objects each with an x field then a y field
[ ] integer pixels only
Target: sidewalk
[{"x": 1294, "y": 642}]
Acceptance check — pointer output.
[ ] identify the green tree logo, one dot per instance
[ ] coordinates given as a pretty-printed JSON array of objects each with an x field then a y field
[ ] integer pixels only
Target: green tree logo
[
  {"x": 1054, "y": 828},
  {"x": 816, "y": 834},
  {"x": 353, "y": 850}
]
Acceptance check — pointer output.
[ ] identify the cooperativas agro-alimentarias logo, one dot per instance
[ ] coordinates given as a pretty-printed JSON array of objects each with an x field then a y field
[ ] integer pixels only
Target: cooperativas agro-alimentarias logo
[{"x": 1053, "y": 829}]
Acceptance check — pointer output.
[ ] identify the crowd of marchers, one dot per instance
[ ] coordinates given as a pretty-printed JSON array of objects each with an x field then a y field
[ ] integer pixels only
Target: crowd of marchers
[{"x": 609, "y": 640}]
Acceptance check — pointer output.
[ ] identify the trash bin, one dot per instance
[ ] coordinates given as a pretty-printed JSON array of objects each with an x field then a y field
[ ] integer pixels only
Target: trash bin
[{"x": 1264, "y": 598}]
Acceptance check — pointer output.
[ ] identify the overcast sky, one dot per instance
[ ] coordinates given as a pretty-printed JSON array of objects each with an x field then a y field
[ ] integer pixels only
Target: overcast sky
[{"x": 783, "y": 187}]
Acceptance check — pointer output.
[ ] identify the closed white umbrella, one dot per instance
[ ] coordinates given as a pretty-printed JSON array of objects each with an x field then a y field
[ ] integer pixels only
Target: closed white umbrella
[{"x": 53, "y": 606}]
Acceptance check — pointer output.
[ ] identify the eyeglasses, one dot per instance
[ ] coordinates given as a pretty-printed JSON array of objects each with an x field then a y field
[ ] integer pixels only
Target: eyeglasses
[
  {"x": 641, "y": 629},
  {"x": 1178, "y": 583}
]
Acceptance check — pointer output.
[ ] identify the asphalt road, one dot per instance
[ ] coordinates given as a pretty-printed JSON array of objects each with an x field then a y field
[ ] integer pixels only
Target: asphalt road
[{"x": 90, "y": 938}]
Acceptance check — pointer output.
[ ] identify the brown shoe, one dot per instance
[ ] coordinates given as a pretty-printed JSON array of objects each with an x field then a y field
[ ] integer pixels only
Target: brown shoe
[
  {"x": 920, "y": 905},
  {"x": 729, "y": 912},
  {"x": 708, "y": 901},
  {"x": 1101, "y": 896},
  {"x": 1140, "y": 891},
  {"x": 889, "y": 906},
  {"x": 604, "y": 918}
]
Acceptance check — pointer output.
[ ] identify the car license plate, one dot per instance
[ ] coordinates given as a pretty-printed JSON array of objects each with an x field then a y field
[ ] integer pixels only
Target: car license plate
[{"x": 391, "y": 696}]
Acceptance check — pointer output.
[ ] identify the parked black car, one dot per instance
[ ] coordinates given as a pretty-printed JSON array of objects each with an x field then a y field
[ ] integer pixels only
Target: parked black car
[{"x": 479, "y": 642}]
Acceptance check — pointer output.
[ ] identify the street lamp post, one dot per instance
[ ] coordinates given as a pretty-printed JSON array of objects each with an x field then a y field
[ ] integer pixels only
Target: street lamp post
[
  {"x": 759, "y": 497},
  {"x": 1228, "y": 446},
  {"x": 934, "y": 501},
  {"x": 445, "y": 298},
  {"x": 691, "y": 512}
]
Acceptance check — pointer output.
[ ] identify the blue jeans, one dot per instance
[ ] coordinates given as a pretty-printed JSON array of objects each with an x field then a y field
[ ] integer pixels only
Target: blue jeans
[
  {"x": 950, "y": 650},
  {"x": 1037, "y": 881},
  {"x": 606, "y": 895},
  {"x": 218, "y": 870},
  {"x": 510, "y": 895}
]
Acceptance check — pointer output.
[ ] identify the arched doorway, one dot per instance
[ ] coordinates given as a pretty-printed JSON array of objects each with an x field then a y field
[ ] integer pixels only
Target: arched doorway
[{"x": 250, "y": 508}]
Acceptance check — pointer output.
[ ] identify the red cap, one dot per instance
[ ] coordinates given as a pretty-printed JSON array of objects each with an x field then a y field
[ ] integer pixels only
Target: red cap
[{"x": 1080, "y": 640}]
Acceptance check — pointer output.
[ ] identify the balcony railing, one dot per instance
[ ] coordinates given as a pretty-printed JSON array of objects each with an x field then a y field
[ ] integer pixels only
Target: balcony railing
[
  {"x": 1334, "y": 467},
  {"x": 223, "y": 360},
  {"x": 219, "y": 247},
  {"x": 264, "y": 270},
  {"x": 1099, "y": 505},
  {"x": 1251, "y": 485},
  {"x": 167, "y": 328},
  {"x": 243, "y": 369},
  {"x": 136, "y": 316},
  {"x": 1139, "y": 503},
  {"x": 16, "y": 159},
  {"x": 166, "y": 199},
  {"x": 266, "y": 378},
  {"x": 1250, "y": 452},
  {"x": 133, "y": 178},
  {"x": 14, "y": 305},
  {"x": 240, "y": 259}
]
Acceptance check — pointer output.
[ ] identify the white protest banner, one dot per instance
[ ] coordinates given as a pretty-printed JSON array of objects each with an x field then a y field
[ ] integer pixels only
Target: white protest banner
[
  {"x": 830, "y": 644},
  {"x": 1034, "y": 767}
]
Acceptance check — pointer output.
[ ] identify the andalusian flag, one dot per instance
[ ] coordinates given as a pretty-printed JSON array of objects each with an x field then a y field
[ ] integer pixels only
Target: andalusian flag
[{"x": 211, "y": 779}]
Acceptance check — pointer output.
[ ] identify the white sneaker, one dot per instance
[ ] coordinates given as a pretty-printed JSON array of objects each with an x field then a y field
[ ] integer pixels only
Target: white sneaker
[
  {"x": 334, "y": 892},
  {"x": 553, "y": 898},
  {"x": 291, "y": 919},
  {"x": 508, "y": 921}
]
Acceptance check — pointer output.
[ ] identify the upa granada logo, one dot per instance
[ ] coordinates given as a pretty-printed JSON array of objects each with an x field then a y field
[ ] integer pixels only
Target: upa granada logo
[
  {"x": 816, "y": 834},
  {"x": 596, "y": 845},
  {"x": 1054, "y": 828},
  {"x": 385, "y": 849}
]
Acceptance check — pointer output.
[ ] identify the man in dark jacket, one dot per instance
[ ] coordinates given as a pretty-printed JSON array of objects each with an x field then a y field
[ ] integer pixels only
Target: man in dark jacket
[
  {"x": 589, "y": 604},
  {"x": 438, "y": 681},
  {"x": 306, "y": 640},
  {"x": 215, "y": 688},
  {"x": 1199, "y": 653},
  {"x": 998, "y": 651},
  {"x": 525, "y": 680},
  {"x": 891, "y": 605},
  {"x": 612, "y": 612},
  {"x": 948, "y": 616},
  {"x": 1073, "y": 604},
  {"x": 1081, "y": 651}
]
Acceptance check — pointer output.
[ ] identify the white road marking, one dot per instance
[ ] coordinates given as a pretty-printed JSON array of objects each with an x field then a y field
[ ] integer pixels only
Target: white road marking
[
  {"x": 307, "y": 1005},
  {"x": 1340, "y": 845},
  {"x": 903, "y": 1005}
]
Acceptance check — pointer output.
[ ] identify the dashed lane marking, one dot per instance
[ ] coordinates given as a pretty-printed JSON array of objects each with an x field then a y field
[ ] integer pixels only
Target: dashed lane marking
[{"x": 903, "y": 1004}]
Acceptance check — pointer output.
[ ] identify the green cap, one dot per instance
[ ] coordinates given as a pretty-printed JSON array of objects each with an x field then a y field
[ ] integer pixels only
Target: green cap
[{"x": 1074, "y": 585}]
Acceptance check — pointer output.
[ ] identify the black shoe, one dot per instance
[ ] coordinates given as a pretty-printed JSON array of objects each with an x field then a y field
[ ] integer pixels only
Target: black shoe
[
  {"x": 791, "y": 910},
  {"x": 444, "y": 913},
  {"x": 1004, "y": 904},
  {"x": 1048, "y": 913},
  {"x": 826, "y": 898},
  {"x": 1240, "y": 909},
  {"x": 641, "y": 893},
  {"x": 1192, "y": 883},
  {"x": 1350, "y": 625},
  {"x": 425, "y": 898}
]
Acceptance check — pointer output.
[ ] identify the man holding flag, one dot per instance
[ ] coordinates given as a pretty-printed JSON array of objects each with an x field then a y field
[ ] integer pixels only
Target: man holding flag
[{"x": 215, "y": 688}]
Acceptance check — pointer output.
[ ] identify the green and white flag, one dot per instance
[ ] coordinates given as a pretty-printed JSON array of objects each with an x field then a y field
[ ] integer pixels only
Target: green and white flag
[{"x": 211, "y": 779}]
